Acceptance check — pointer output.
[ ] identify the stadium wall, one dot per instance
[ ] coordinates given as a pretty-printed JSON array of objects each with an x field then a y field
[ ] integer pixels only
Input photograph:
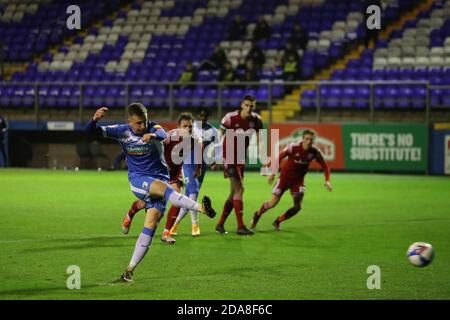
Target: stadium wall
[{"x": 412, "y": 147}]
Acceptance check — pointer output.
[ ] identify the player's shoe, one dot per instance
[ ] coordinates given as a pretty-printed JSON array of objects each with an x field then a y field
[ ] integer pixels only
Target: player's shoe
[
  {"x": 195, "y": 230},
  {"x": 220, "y": 229},
  {"x": 207, "y": 208},
  {"x": 244, "y": 232},
  {"x": 127, "y": 276},
  {"x": 276, "y": 225},
  {"x": 167, "y": 238},
  {"x": 255, "y": 220},
  {"x": 174, "y": 230},
  {"x": 126, "y": 223}
]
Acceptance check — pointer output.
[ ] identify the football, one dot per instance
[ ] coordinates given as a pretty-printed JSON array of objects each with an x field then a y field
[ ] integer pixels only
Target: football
[{"x": 420, "y": 254}]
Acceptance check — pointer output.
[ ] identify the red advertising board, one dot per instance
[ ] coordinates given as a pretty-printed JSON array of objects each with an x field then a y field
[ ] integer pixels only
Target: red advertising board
[
  {"x": 168, "y": 125},
  {"x": 328, "y": 140}
]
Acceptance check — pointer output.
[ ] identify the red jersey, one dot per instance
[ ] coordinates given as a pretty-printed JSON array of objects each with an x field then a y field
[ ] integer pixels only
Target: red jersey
[
  {"x": 234, "y": 121},
  {"x": 298, "y": 159},
  {"x": 174, "y": 155}
]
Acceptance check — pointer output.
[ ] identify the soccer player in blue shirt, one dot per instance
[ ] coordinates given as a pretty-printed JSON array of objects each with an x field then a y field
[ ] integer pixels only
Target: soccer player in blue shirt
[
  {"x": 207, "y": 133},
  {"x": 141, "y": 141}
]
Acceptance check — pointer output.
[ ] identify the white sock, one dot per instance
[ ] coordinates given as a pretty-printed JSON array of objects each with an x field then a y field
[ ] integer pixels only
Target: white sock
[
  {"x": 183, "y": 211},
  {"x": 194, "y": 215},
  {"x": 182, "y": 201},
  {"x": 142, "y": 246},
  {"x": 181, "y": 215}
]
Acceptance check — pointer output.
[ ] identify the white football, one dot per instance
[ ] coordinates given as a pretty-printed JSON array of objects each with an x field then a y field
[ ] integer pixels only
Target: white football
[{"x": 420, "y": 254}]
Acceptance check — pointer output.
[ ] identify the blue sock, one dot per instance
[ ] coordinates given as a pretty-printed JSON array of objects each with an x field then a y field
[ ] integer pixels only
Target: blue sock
[{"x": 168, "y": 192}]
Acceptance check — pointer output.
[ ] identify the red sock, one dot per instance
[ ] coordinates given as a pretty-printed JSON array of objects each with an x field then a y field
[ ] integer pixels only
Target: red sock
[
  {"x": 172, "y": 216},
  {"x": 264, "y": 208},
  {"x": 227, "y": 208},
  {"x": 134, "y": 209},
  {"x": 288, "y": 214},
  {"x": 238, "y": 209}
]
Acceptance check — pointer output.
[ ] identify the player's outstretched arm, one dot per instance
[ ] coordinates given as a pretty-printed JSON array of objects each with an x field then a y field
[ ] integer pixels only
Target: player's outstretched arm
[
  {"x": 326, "y": 170},
  {"x": 91, "y": 127},
  {"x": 274, "y": 164},
  {"x": 99, "y": 113}
]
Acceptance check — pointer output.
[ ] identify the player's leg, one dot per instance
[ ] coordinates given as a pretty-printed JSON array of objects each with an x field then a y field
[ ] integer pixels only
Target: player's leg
[
  {"x": 182, "y": 214},
  {"x": 238, "y": 204},
  {"x": 238, "y": 186},
  {"x": 192, "y": 191},
  {"x": 136, "y": 206},
  {"x": 194, "y": 217},
  {"x": 139, "y": 187},
  {"x": 202, "y": 175},
  {"x": 277, "y": 193},
  {"x": 143, "y": 242},
  {"x": 161, "y": 189},
  {"x": 171, "y": 216},
  {"x": 298, "y": 199},
  {"x": 227, "y": 208},
  {"x": 267, "y": 205}
]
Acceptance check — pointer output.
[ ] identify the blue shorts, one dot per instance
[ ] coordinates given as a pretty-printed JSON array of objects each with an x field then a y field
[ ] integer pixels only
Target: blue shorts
[
  {"x": 140, "y": 186},
  {"x": 193, "y": 184}
]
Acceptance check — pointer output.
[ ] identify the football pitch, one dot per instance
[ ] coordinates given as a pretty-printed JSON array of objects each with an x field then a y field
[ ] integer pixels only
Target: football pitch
[{"x": 54, "y": 219}]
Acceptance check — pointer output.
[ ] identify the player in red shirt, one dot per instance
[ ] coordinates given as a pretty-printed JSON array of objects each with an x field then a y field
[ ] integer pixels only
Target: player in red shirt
[
  {"x": 237, "y": 124},
  {"x": 174, "y": 137},
  {"x": 299, "y": 156}
]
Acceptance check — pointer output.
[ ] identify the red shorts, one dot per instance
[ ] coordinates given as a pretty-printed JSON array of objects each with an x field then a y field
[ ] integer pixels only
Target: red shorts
[
  {"x": 176, "y": 175},
  {"x": 234, "y": 171},
  {"x": 176, "y": 180},
  {"x": 296, "y": 186}
]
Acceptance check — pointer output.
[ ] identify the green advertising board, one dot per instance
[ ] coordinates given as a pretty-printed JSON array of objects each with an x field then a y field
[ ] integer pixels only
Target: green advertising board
[{"x": 400, "y": 147}]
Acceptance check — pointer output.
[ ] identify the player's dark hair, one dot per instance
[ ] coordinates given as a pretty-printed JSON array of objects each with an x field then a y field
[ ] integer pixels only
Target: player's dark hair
[
  {"x": 249, "y": 97},
  {"x": 307, "y": 131},
  {"x": 185, "y": 116},
  {"x": 137, "y": 109},
  {"x": 203, "y": 109}
]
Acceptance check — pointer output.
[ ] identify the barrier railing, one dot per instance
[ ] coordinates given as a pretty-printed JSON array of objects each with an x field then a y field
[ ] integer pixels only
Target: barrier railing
[{"x": 316, "y": 97}]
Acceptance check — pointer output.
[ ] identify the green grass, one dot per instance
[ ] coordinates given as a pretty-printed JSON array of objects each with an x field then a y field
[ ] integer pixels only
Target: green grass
[{"x": 53, "y": 219}]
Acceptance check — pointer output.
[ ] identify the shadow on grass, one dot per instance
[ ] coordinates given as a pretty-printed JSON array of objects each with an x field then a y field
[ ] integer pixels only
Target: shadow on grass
[
  {"x": 37, "y": 293},
  {"x": 83, "y": 243}
]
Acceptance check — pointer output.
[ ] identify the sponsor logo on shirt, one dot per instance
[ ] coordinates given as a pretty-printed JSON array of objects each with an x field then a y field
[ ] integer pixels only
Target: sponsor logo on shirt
[{"x": 138, "y": 150}]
